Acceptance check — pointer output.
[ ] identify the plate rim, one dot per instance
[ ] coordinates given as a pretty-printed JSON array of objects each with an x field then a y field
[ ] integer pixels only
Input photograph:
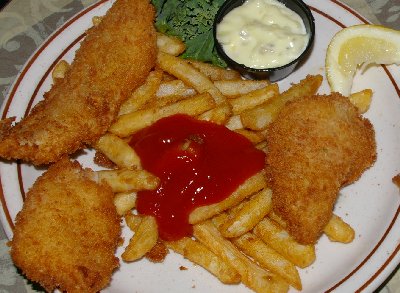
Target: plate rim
[{"x": 382, "y": 271}]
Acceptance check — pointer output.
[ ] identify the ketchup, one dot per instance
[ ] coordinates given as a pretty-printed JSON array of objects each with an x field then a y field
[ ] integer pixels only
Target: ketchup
[{"x": 199, "y": 163}]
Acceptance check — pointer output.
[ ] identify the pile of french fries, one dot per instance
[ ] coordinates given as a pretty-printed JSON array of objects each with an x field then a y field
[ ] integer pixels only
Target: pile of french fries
[{"x": 239, "y": 239}]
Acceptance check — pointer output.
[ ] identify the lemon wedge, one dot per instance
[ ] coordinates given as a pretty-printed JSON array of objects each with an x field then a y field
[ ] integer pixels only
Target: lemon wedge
[{"x": 355, "y": 46}]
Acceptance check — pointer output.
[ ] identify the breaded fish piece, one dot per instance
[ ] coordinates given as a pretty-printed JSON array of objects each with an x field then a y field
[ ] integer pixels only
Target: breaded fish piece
[
  {"x": 67, "y": 232},
  {"x": 316, "y": 145},
  {"x": 113, "y": 60}
]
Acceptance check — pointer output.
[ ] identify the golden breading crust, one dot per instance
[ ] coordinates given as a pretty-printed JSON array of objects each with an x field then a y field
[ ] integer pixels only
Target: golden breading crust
[
  {"x": 315, "y": 146},
  {"x": 114, "y": 59},
  {"x": 68, "y": 230}
]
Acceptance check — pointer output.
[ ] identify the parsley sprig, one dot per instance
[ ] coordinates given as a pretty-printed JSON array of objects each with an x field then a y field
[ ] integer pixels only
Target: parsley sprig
[{"x": 192, "y": 22}]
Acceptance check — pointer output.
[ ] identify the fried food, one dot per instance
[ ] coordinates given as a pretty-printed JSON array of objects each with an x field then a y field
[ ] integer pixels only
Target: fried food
[
  {"x": 113, "y": 60},
  {"x": 396, "y": 180},
  {"x": 316, "y": 145},
  {"x": 67, "y": 232}
]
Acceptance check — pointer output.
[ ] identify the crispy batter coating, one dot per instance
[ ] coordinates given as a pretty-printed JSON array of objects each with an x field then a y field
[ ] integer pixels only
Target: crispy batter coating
[
  {"x": 114, "y": 59},
  {"x": 315, "y": 146},
  {"x": 396, "y": 180},
  {"x": 67, "y": 232},
  {"x": 103, "y": 161},
  {"x": 158, "y": 253}
]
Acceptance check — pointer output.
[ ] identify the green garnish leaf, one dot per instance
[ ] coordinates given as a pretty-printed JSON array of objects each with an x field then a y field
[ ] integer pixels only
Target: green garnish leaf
[{"x": 192, "y": 22}]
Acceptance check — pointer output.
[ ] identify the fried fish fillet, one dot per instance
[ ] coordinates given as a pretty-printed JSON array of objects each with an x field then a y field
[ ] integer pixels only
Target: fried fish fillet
[
  {"x": 66, "y": 234},
  {"x": 316, "y": 145},
  {"x": 114, "y": 58}
]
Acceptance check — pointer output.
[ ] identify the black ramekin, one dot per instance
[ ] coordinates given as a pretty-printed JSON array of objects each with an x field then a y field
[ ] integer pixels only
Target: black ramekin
[{"x": 276, "y": 73}]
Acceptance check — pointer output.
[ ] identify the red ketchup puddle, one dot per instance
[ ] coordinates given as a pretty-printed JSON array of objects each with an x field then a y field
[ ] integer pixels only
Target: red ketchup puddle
[{"x": 199, "y": 163}]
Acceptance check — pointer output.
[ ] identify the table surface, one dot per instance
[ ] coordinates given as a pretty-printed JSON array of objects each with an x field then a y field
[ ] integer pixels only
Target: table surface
[{"x": 25, "y": 24}]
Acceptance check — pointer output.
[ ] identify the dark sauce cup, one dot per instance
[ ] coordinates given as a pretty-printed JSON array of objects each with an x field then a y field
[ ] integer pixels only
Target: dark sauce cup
[{"x": 276, "y": 73}]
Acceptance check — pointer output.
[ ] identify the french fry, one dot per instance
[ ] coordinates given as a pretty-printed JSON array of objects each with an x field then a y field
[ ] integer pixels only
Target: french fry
[
  {"x": 268, "y": 258},
  {"x": 123, "y": 180},
  {"x": 261, "y": 116},
  {"x": 215, "y": 72},
  {"x": 199, "y": 254},
  {"x": 273, "y": 216},
  {"x": 246, "y": 218},
  {"x": 164, "y": 101},
  {"x": 170, "y": 92},
  {"x": 133, "y": 221},
  {"x": 251, "y": 274},
  {"x": 142, "y": 241},
  {"x": 234, "y": 123},
  {"x": 142, "y": 94},
  {"x": 170, "y": 45},
  {"x": 233, "y": 88},
  {"x": 338, "y": 230},
  {"x": 254, "y": 136},
  {"x": 221, "y": 218},
  {"x": 174, "y": 88},
  {"x": 130, "y": 123},
  {"x": 189, "y": 75},
  {"x": 249, "y": 187},
  {"x": 59, "y": 70},
  {"x": 253, "y": 98},
  {"x": 219, "y": 115},
  {"x": 362, "y": 100},
  {"x": 124, "y": 202},
  {"x": 118, "y": 151},
  {"x": 262, "y": 146},
  {"x": 276, "y": 237}
]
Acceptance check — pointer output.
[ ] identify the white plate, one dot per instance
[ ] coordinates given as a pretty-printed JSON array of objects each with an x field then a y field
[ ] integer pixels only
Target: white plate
[{"x": 371, "y": 205}]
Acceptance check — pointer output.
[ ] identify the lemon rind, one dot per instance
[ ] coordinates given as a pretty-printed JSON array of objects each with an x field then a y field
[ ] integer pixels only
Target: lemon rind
[{"x": 338, "y": 80}]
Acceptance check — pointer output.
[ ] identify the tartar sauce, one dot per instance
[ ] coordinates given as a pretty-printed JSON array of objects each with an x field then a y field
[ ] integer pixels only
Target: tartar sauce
[{"x": 262, "y": 34}]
